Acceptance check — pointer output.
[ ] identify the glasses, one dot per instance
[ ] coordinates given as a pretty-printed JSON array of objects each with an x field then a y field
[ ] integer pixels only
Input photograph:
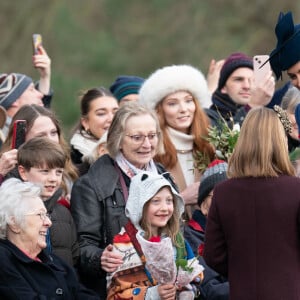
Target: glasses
[
  {"x": 140, "y": 138},
  {"x": 42, "y": 215}
]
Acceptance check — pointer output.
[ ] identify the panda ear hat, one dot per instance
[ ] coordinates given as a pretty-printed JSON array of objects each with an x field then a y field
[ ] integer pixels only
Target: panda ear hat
[{"x": 143, "y": 187}]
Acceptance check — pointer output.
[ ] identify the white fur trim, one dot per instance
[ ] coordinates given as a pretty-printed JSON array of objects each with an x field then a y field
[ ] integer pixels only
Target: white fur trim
[{"x": 171, "y": 79}]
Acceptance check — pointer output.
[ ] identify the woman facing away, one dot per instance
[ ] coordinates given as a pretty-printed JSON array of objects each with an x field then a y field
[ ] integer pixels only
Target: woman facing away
[
  {"x": 177, "y": 94},
  {"x": 252, "y": 232}
]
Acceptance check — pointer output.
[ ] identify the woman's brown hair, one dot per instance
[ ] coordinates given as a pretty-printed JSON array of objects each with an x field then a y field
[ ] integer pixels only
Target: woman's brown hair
[{"x": 261, "y": 149}]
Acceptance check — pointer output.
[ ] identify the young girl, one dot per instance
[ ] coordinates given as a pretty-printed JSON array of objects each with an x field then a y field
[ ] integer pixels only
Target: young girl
[{"x": 154, "y": 209}]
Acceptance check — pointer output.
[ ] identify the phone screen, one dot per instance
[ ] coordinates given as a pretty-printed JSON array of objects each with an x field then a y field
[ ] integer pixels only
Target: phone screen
[{"x": 36, "y": 41}]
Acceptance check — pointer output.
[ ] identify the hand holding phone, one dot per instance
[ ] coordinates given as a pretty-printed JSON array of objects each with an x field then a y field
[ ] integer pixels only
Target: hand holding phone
[
  {"x": 36, "y": 42},
  {"x": 19, "y": 134},
  {"x": 261, "y": 67}
]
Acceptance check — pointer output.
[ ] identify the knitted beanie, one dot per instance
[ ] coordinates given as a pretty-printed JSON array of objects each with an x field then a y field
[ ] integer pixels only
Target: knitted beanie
[
  {"x": 143, "y": 187},
  {"x": 287, "y": 51},
  {"x": 233, "y": 62},
  {"x": 12, "y": 86},
  {"x": 214, "y": 173},
  {"x": 171, "y": 79},
  {"x": 125, "y": 85}
]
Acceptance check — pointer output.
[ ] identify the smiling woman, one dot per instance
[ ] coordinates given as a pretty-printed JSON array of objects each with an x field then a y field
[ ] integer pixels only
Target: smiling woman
[
  {"x": 26, "y": 270},
  {"x": 98, "y": 198},
  {"x": 98, "y": 106},
  {"x": 177, "y": 93}
]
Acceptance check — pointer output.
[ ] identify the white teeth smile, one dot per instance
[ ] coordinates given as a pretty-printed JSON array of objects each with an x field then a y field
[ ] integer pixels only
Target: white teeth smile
[{"x": 43, "y": 233}]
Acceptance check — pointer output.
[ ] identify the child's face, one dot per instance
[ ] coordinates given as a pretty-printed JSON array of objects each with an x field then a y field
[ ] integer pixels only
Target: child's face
[
  {"x": 160, "y": 209},
  {"x": 50, "y": 179}
]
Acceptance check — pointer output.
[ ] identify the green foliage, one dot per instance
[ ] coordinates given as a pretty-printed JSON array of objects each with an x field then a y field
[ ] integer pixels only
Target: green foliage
[
  {"x": 91, "y": 42},
  {"x": 223, "y": 138}
]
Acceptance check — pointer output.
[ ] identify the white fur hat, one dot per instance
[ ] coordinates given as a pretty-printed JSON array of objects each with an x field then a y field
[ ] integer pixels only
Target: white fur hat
[
  {"x": 143, "y": 187},
  {"x": 171, "y": 79}
]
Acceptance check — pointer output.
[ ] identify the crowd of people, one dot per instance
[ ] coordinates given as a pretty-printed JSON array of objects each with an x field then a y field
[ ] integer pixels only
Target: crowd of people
[{"x": 122, "y": 211}]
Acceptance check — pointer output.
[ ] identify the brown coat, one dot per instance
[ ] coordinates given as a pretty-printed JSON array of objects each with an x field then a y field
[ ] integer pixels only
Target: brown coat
[{"x": 252, "y": 236}]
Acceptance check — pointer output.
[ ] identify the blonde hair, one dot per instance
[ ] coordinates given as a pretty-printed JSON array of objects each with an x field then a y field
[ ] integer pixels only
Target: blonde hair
[
  {"x": 172, "y": 227},
  {"x": 261, "y": 149}
]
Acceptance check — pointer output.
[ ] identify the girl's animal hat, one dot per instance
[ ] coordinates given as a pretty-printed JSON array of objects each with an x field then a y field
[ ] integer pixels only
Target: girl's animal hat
[{"x": 143, "y": 187}]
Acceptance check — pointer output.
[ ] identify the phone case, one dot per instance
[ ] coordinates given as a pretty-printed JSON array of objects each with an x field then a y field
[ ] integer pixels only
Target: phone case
[
  {"x": 261, "y": 67},
  {"x": 36, "y": 41},
  {"x": 19, "y": 134}
]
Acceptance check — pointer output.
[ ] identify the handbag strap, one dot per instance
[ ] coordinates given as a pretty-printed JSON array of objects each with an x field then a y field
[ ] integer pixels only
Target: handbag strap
[{"x": 122, "y": 181}]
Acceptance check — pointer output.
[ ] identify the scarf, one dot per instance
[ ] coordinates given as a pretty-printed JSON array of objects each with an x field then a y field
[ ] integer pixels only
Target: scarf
[
  {"x": 224, "y": 105},
  {"x": 85, "y": 144},
  {"x": 130, "y": 170}
]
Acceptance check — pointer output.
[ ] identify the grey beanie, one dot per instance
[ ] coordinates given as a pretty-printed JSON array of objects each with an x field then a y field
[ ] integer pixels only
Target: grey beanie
[
  {"x": 143, "y": 187},
  {"x": 214, "y": 173},
  {"x": 12, "y": 86}
]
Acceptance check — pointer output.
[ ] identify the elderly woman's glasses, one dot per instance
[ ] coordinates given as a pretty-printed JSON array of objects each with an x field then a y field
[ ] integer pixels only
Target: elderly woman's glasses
[
  {"x": 42, "y": 215},
  {"x": 140, "y": 138}
]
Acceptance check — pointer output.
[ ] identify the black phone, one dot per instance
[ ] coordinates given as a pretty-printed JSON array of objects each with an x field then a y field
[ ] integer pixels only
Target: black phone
[
  {"x": 19, "y": 133},
  {"x": 36, "y": 42}
]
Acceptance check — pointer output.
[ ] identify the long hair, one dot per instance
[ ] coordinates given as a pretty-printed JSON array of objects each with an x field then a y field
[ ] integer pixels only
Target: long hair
[
  {"x": 30, "y": 113},
  {"x": 261, "y": 149},
  {"x": 171, "y": 229},
  {"x": 199, "y": 129}
]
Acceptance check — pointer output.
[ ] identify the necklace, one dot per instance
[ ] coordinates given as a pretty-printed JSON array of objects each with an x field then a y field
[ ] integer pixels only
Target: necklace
[{"x": 184, "y": 151}]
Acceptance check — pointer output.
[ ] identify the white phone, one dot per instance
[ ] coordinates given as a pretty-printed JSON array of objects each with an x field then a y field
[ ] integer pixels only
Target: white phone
[{"x": 261, "y": 67}]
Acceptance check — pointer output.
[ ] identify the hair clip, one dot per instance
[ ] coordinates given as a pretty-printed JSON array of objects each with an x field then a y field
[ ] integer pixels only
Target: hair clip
[{"x": 283, "y": 117}]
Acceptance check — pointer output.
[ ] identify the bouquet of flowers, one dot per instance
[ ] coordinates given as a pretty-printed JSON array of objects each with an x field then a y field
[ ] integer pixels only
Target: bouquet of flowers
[
  {"x": 160, "y": 262},
  {"x": 159, "y": 259}
]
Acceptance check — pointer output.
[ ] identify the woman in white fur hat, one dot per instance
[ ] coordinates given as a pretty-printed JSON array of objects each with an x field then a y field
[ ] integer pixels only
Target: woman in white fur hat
[{"x": 177, "y": 93}]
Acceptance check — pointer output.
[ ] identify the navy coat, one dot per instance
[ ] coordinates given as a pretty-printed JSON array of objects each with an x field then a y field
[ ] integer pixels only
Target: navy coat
[{"x": 24, "y": 278}]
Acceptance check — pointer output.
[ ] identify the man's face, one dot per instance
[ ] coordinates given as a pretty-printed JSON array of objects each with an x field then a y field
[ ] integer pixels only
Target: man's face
[
  {"x": 30, "y": 96},
  {"x": 238, "y": 86},
  {"x": 294, "y": 74}
]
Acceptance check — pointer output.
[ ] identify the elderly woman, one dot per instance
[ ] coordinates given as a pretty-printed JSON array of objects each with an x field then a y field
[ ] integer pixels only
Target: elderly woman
[
  {"x": 26, "y": 270},
  {"x": 98, "y": 198}
]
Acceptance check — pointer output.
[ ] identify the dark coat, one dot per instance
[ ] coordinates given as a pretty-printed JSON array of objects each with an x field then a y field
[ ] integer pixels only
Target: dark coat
[
  {"x": 24, "y": 278},
  {"x": 98, "y": 209},
  {"x": 63, "y": 235},
  {"x": 252, "y": 236},
  {"x": 214, "y": 286}
]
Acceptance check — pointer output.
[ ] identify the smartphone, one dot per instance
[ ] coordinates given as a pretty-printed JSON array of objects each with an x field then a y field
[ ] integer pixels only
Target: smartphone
[
  {"x": 36, "y": 42},
  {"x": 261, "y": 67},
  {"x": 19, "y": 133}
]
